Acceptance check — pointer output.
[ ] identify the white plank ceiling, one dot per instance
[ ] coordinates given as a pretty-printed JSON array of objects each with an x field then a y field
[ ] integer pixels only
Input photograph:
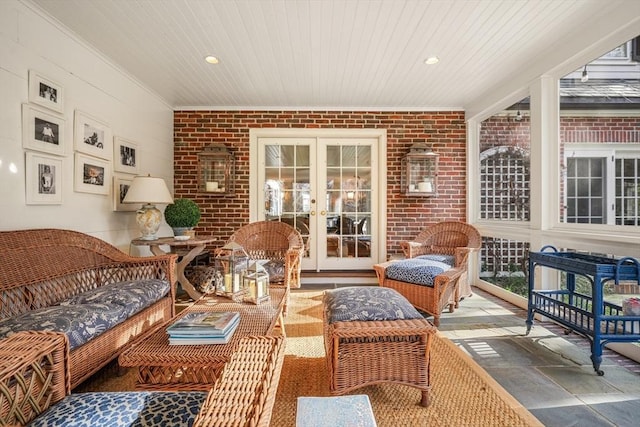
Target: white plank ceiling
[{"x": 323, "y": 54}]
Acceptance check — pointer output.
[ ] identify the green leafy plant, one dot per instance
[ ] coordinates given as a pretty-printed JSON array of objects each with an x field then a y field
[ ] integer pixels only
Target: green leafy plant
[{"x": 182, "y": 213}]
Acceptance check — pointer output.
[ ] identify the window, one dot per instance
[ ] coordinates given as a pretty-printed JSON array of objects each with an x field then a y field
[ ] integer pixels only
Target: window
[{"x": 504, "y": 165}]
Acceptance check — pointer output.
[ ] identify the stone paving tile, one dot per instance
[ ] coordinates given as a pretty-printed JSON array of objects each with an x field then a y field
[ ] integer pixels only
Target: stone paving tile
[{"x": 549, "y": 372}]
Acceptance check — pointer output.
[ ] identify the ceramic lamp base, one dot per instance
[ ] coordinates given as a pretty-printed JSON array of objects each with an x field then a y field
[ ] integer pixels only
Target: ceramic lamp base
[{"x": 148, "y": 218}]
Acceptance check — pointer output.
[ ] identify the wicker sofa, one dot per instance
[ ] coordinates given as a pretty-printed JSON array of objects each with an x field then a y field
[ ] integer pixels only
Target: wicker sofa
[
  {"x": 35, "y": 389},
  {"x": 73, "y": 283}
]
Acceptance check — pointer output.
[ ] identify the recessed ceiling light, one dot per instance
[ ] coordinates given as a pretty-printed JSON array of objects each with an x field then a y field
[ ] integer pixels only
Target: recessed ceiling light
[
  {"x": 211, "y": 59},
  {"x": 432, "y": 60}
]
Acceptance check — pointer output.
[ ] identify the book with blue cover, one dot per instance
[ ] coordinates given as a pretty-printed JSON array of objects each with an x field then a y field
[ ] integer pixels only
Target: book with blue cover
[
  {"x": 204, "y": 338},
  {"x": 209, "y": 324}
]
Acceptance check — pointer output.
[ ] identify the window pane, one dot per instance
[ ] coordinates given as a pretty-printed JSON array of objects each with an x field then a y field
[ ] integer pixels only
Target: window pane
[
  {"x": 600, "y": 140},
  {"x": 504, "y": 164}
]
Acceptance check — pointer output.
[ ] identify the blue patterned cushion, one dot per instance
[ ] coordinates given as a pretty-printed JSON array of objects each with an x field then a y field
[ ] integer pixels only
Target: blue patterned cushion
[
  {"x": 416, "y": 271},
  {"x": 450, "y": 260},
  {"x": 365, "y": 303},
  {"x": 133, "y": 295},
  {"x": 131, "y": 409},
  {"x": 79, "y": 322}
]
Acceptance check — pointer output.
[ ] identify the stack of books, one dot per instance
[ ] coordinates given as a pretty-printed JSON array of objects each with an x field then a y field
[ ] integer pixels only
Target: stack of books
[{"x": 203, "y": 328}]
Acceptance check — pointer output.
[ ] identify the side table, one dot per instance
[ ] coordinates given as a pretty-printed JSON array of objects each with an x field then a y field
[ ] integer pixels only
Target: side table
[{"x": 195, "y": 244}]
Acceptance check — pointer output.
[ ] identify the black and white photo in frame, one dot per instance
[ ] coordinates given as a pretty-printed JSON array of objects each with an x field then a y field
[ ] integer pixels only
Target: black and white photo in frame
[
  {"x": 91, "y": 175},
  {"x": 42, "y": 130},
  {"x": 92, "y": 136},
  {"x": 45, "y": 92},
  {"x": 43, "y": 178},
  {"x": 121, "y": 184},
  {"x": 125, "y": 156}
]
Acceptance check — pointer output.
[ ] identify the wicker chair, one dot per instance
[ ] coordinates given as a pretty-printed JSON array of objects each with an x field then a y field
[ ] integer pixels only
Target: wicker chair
[
  {"x": 452, "y": 238},
  {"x": 278, "y": 242},
  {"x": 447, "y": 238}
]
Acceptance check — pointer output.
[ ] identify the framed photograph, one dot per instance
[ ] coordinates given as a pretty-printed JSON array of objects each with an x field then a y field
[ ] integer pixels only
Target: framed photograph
[
  {"x": 45, "y": 92},
  {"x": 43, "y": 179},
  {"x": 121, "y": 185},
  {"x": 92, "y": 136},
  {"x": 125, "y": 156},
  {"x": 92, "y": 175},
  {"x": 42, "y": 131}
]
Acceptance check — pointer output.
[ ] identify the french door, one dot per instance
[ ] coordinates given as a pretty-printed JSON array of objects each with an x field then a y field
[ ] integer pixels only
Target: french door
[{"x": 328, "y": 187}]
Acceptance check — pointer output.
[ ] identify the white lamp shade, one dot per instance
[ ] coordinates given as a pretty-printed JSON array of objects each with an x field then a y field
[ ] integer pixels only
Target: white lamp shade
[{"x": 148, "y": 189}]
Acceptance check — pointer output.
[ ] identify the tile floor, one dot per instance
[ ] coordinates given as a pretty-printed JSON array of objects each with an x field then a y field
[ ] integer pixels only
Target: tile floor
[{"x": 549, "y": 372}]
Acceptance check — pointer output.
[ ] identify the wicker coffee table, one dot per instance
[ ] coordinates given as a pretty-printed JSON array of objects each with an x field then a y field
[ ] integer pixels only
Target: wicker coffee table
[{"x": 196, "y": 367}]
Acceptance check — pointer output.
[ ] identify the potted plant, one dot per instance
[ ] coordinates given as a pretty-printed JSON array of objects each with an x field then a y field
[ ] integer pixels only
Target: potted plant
[{"x": 182, "y": 215}]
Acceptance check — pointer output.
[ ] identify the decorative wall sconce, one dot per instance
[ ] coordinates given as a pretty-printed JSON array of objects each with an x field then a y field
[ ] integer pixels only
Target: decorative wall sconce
[
  {"x": 420, "y": 171},
  {"x": 216, "y": 170}
]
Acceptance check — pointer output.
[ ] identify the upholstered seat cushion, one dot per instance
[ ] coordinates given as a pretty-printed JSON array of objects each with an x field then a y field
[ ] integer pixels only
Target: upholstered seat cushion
[
  {"x": 79, "y": 322},
  {"x": 131, "y": 409},
  {"x": 418, "y": 271},
  {"x": 89, "y": 314},
  {"x": 367, "y": 303},
  {"x": 133, "y": 295}
]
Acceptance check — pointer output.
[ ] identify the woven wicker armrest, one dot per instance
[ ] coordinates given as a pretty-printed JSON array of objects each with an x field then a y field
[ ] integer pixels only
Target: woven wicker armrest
[
  {"x": 412, "y": 249},
  {"x": 33, "y": 375},
  {"x": 246, "y": 391}
]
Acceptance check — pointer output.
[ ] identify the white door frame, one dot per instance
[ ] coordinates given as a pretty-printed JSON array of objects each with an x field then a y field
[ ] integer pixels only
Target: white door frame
[{"x": 379, "y": 134}]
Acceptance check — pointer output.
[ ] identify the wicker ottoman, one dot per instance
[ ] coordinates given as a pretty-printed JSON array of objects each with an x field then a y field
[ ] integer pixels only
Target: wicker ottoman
[{"x": 374, "y": 335}]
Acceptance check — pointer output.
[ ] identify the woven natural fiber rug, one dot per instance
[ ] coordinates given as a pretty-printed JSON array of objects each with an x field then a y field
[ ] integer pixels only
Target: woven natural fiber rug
[{"x": 462, "y": 393}]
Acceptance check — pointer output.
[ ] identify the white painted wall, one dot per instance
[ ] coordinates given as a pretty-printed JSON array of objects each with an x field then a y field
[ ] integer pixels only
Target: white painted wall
[{"x": 31, "y": 40}]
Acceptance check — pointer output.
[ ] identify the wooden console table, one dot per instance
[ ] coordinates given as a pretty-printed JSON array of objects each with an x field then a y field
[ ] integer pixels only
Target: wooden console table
[
  {"x": 196, "y": 367},
  {"x": 195, "y": 245}
]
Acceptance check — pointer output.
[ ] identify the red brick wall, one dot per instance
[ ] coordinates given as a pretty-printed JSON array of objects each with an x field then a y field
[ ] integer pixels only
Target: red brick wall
[{"x": 445, "y": 131}]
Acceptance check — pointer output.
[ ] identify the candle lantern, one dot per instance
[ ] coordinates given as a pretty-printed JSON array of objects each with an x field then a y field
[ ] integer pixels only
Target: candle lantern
[
  {"x": 420, "y": 171},
  {"x": 231, "y": 261},
  {"x": 256, "y": 282},
  {"x": 216, "y": 170}
]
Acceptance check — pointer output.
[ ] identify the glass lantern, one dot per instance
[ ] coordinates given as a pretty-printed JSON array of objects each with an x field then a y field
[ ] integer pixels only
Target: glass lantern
[
  {"x": 420, "y": 171},
  {"x": 256, "y": 283},
  {"x": 231, "y": 261},
  {"x": 215, "y": 170}
]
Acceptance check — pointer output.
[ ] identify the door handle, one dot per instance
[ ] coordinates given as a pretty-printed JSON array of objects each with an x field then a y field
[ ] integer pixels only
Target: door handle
[
  {"x": 323, "y": 213},
  {"x": 313, "y": 213}
]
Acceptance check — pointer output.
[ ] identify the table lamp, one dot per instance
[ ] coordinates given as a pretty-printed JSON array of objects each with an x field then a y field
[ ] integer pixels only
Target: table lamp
[{"x": 148, "y": 191}]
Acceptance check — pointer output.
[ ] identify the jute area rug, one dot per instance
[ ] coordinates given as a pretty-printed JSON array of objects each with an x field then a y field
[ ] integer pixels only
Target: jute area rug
[{"x": 462, "y": 393}]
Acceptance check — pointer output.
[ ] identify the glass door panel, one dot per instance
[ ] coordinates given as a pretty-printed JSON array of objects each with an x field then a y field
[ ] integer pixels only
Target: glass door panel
[{"x": 348, "y": 193}]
